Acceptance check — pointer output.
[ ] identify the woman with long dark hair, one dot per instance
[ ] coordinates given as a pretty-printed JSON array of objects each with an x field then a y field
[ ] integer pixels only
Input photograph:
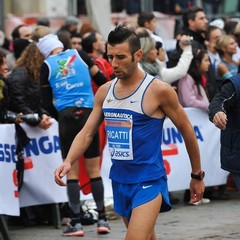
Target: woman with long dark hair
[
  {"x": 24, "y": 87},
  {"x": 191, "y": 88}
]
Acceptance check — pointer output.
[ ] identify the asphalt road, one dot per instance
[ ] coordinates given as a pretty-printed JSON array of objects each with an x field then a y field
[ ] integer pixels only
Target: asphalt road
[{"x": 218, "y": 220}]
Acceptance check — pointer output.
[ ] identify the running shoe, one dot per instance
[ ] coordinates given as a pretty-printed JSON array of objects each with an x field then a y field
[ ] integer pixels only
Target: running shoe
[
  {"x": 103, "y": 227},
  {"x": 74, "y": 230}
]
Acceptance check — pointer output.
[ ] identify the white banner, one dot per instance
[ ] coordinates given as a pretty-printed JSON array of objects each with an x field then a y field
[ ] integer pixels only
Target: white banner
[
  {"x": 176, "y": 159},
  {"x": 9, "y": 201},
  {"x": 43, "y": 156}
]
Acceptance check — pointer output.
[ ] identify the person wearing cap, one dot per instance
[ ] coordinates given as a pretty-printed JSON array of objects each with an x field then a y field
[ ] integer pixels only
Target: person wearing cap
[
  {"x": 66, "y": 74},
  {"x": 71, "y": 25}
]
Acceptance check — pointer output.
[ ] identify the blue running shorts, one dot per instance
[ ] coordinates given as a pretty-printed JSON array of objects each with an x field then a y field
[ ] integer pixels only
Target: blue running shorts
[{"x": 128, "y": 196}]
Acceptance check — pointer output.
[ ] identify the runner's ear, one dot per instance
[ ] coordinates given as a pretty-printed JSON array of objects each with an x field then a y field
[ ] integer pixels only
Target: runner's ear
[{"x": 138, "y": 55}]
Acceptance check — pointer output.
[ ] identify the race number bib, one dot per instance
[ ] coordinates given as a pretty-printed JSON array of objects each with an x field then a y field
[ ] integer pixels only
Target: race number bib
[{"x": 119, "y": 133}]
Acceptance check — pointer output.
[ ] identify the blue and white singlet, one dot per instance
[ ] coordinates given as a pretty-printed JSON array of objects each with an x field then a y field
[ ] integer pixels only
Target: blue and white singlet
[{"x": 134, "y": 138}]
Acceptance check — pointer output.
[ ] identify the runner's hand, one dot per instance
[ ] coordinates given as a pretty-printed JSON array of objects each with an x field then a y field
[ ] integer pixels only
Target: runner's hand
[
  {"x": 196, "y": 189},
  {"x": 60, "y": 172}
]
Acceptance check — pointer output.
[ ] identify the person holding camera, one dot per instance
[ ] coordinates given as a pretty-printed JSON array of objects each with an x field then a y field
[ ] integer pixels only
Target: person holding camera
[
  {"x": 25, "y": 105},
  {"x": 154, "y": 57},
  {"x": 24, "y": 89}
]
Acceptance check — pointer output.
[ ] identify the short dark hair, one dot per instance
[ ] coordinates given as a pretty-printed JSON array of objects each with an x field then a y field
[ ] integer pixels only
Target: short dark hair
[
  {"x": 88, "y": 40},
  {"x": 121, "y": 34},
  {"x": 229, "y": 27},
  {"x": 15, "y": 33},
  {"x": 209, "y": 30},
  {"x": 76, "y": 34},
  {"x": 190, "y": 14},
  {"x": 64, "y": 37},
  {"x": 144, "y": 17}
]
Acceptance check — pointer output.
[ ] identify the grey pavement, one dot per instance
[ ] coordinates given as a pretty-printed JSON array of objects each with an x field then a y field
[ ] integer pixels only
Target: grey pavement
[{"x": 217, "y": 220}]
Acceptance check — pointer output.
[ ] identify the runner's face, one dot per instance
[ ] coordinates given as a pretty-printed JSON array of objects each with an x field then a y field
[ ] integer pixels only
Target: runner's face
[{"x": 121, "y": 59}]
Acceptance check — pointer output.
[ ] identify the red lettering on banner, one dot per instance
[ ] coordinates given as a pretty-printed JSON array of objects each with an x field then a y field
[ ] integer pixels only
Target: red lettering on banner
[
  {"x": 28, "y": 163},
  {"x": 167, "y": 166},
  {"x": 16, "y": 194},
  {"x": 171, "y": 151},
  {"x": 15, "y": 182}
]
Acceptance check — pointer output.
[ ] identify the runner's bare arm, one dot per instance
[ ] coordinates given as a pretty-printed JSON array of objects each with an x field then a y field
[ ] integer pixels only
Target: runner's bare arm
[{"x": 170, "y": 105}]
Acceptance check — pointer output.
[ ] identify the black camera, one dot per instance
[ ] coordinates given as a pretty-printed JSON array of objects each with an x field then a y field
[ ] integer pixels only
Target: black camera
[{"x": 31, "y": 118}]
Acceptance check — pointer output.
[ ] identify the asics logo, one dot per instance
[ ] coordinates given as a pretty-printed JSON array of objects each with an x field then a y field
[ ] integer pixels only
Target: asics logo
[
  {"x": 112, "y": 153},
  {"x": 146, "y": 186},
  {"x": 132, "y": 101}
]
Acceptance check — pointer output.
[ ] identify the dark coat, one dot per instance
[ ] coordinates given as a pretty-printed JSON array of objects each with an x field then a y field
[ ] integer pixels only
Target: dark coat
[
  {"x": 24, "y": 93},
  {"x": 228, "y": 101}
]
